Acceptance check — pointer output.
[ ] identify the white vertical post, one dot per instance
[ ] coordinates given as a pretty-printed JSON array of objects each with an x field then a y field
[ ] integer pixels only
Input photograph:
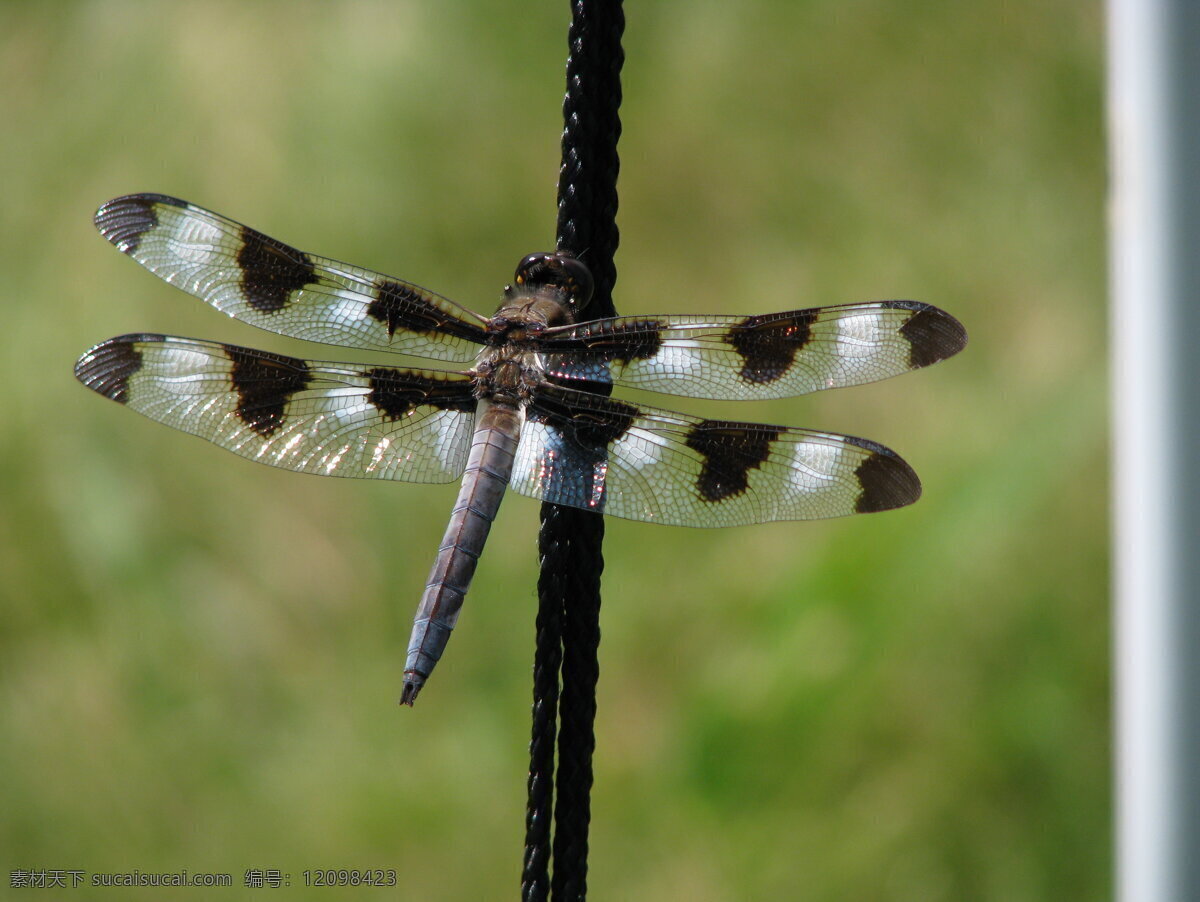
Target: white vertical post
[{"x": 1154, "y": 118}]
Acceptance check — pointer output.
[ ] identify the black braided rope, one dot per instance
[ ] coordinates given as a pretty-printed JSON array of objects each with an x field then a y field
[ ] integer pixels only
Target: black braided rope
[
  {"x": 535, "y": 876},
  {"x": 568, "y": 622},
  {"x": 573, "y": 544}
]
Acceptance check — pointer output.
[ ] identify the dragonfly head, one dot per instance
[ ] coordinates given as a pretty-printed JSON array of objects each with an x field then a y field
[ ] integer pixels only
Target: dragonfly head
[{"x": 561, "y": 273}]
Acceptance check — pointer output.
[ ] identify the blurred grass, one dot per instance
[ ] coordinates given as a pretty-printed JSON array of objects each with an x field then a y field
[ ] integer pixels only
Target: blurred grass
[{"x": 199, "y": 657}]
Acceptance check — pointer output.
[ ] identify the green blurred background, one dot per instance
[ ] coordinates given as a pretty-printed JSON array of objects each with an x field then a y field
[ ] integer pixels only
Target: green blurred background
[{"x": 201, "y": 656}]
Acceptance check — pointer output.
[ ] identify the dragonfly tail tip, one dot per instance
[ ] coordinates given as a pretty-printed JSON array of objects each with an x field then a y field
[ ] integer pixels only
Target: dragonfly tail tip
[{"x": 412, "y": 686}]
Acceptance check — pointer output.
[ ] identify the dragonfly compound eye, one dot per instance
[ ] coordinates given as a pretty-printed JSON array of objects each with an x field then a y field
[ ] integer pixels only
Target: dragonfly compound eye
[{"x": 559, "y": 270}]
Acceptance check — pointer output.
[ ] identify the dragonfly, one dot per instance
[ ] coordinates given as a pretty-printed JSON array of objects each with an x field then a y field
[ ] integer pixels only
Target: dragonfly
[{"x": 531, "y": 411}]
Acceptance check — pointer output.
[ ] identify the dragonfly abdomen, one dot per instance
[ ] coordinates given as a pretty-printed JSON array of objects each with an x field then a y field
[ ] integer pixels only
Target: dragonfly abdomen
[{"x": 489, "y": 466}]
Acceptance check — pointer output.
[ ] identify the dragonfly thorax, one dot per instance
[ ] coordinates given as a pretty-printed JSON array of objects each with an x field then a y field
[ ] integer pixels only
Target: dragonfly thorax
[{"x": 507, "y": 376}]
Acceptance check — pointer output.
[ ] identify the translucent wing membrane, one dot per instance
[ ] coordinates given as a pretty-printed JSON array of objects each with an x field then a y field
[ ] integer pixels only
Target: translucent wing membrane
[
  {"x": 775, "y": 355},
  {"x": 268, "y": 284},
  {"x": 631, "y": 461},
  {"x": 312, "y": 417}
]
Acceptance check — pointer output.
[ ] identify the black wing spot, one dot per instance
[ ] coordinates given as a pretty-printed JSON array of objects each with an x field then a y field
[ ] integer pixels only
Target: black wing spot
[
  {"x": 397, "y": 394},
  {"x": 768, "y": 344},
  {"x": 271, "y": 271},
  {"x": 887, "y": 481},
  {"x": 124, "y": 220},
  {"x": 107, "y": 368},
  {"x": 597, "y": 429},
  {"x": 593, "y": 425},
  {"x": 401, "y": 307},
  {"x": 398, "y": 306},
  {"x": 622, "y": 340},
  {"x": 580, "y": 431},
  {"x": 264, "y": 384},
  {"x": 932, "y": 333},
  {"x": 730, "y": 451}
]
